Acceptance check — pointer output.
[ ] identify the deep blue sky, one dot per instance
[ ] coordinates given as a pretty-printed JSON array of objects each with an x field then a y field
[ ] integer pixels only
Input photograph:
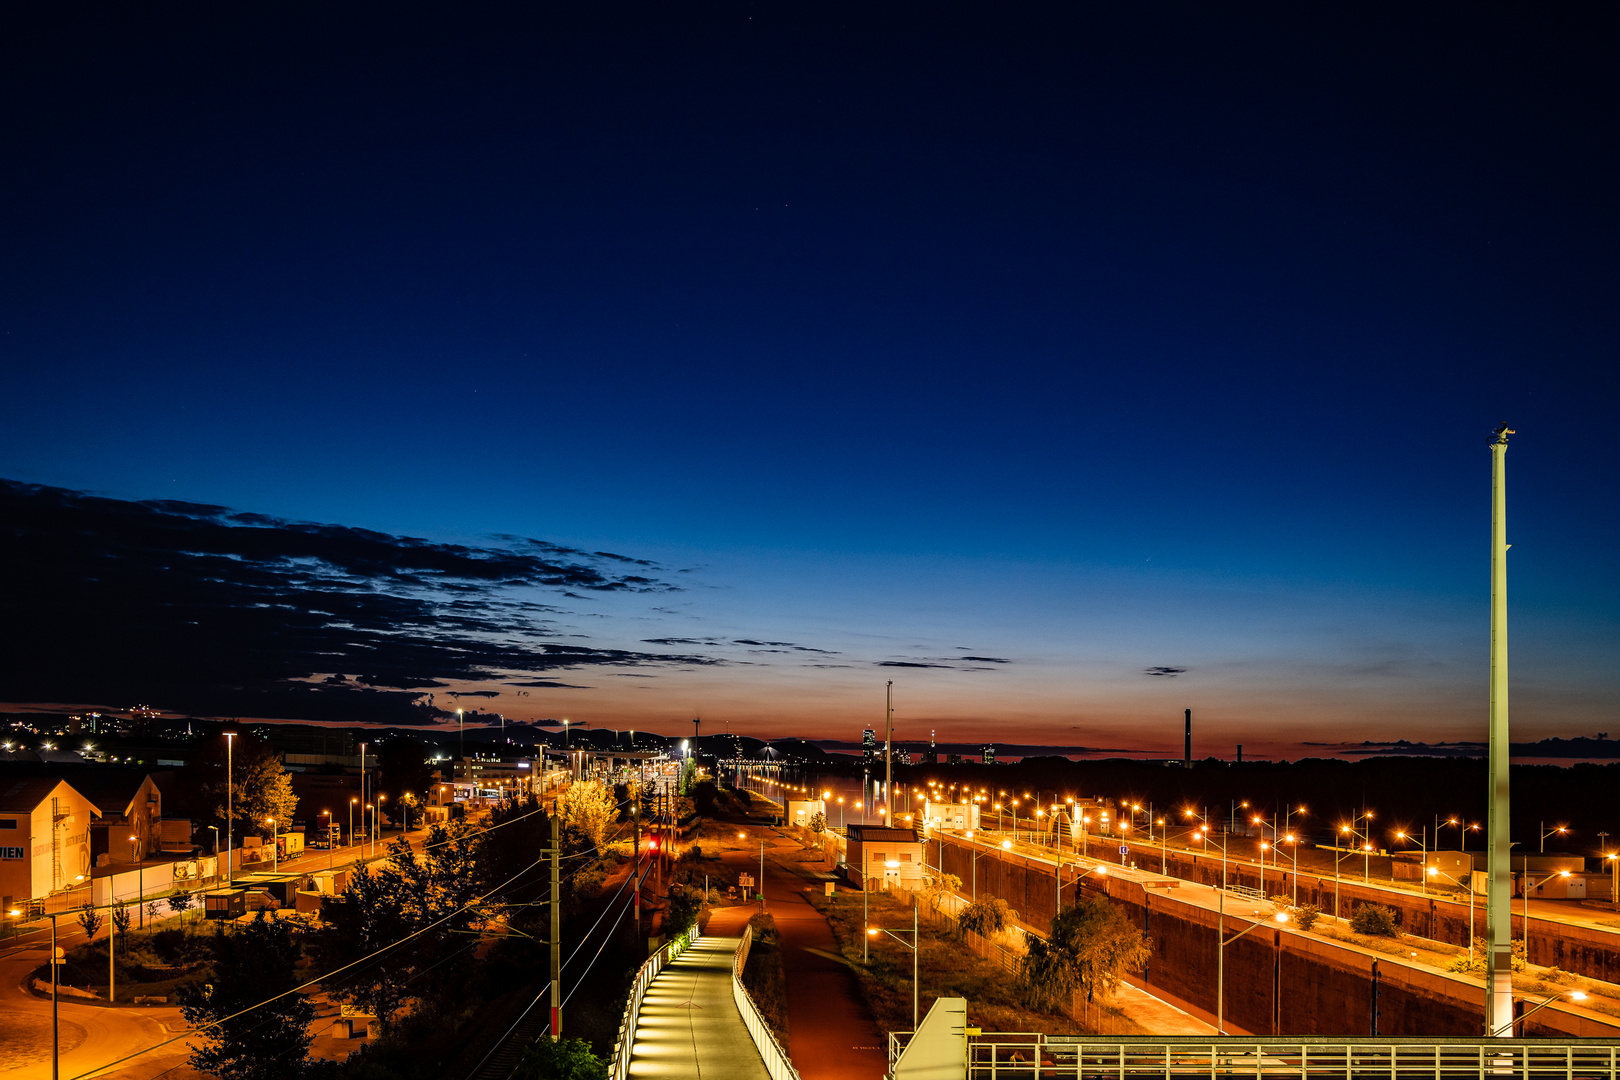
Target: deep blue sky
[{"x": 1091, "y": 340}]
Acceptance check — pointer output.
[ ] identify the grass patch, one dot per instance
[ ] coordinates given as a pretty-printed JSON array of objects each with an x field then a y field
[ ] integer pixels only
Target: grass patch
[
  {"x": 147, "y": 964},
  {"x": 765, "y": 978},
  {"x": 945, "y": 969}
]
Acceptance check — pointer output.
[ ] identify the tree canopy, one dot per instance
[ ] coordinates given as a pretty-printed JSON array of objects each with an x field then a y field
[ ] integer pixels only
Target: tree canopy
[
  {"x": 260, "y": 788},
  {"x": 1091, "y": 946},
  {"x": 269, "y": 1042}
]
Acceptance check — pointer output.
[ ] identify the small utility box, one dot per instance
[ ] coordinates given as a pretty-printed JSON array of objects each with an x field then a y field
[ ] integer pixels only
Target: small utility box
[{"x": 225, "y": 904}]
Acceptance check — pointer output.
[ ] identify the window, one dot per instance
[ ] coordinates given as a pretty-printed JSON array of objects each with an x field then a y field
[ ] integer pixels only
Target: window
[
  {"x": 8, "y": 823},
  {"x": 905, "y": 856},
  {"x": 877, "y": 856}
]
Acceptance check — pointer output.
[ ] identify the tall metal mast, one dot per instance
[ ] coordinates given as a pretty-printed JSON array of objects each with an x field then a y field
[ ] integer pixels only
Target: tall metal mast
[
  {"x": 888, "y": 758},
  {"x": 1499, "y": 898}
]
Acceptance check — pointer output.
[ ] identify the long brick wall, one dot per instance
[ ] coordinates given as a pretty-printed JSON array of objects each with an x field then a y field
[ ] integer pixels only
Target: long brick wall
[{"x": 1277, "y": 982}]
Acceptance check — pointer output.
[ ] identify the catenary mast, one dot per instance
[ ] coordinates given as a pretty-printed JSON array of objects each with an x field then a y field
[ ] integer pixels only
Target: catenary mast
[{"x": 1499, "y": 898}]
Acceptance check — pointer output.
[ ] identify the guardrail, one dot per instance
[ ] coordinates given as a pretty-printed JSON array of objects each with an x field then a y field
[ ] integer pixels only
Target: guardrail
[
  {"x": 1018, "y": 1055},
  {"x": 619, "y": 1068},
  {"x": 776, "y": 1059}
]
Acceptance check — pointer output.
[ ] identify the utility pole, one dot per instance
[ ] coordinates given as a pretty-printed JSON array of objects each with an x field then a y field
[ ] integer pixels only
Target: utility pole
[
  {"x": 888, "y": 756},
  {"x": 556, "y": 929},
  {"x": 1499, "y": 903}
]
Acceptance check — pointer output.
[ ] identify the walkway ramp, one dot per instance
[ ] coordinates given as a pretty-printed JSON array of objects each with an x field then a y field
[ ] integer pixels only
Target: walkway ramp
[{"x": 689, "y": 1026}]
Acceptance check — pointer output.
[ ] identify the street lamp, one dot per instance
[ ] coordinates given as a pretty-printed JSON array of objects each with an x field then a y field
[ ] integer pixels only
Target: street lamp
[
  {"x": 230, "y": 801},
  {"x": 140, "y": 880},
  {"x": 376, "y": 825},
  {"x": 373, "y": 810},
  {"x": 353, "y": 801},
  {"x": 1435, "y": 871},
  {"x": 1423, "y": 853},
  {"x": 1101, "y": 870},
  {"x": 275, "y": 847},
  {"x": 873, "y": 931},
  {"x": 1574, "y": 995},
  {"x": 329, "y": 852},
  {"x": 1220, "y": 969},
  {"x": 1527, "y": 888},
  {"x": 1546, "y": 832}
]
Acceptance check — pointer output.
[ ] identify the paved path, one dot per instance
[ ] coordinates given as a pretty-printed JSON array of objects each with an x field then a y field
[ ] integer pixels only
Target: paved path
[
  {"x": 689, "y": 1025},
  {"x": 831, "y": 1033}
]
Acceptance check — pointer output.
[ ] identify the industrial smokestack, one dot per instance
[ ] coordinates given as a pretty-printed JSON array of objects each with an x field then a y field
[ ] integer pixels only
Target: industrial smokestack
[
  {"x": 1186, "y": 753},
  {"x": 1240, "y": 753}
]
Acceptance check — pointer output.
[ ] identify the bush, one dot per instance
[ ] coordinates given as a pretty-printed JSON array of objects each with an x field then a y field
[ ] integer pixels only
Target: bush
[
  {"x": 1305, "y": 916},
  {"x": 1375, "y": 920},
  {"x": 564, "y": 1059},
  {"x": 1475, "y": 960}
]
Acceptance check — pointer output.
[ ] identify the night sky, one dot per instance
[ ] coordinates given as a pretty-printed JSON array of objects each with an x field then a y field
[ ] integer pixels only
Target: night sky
[{"x": 1068, "y": 365}]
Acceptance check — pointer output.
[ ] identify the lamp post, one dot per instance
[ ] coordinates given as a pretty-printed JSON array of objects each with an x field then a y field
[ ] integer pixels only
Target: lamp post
[
  {"x": 230, "y": 801},
  {"x": 275, "y": 847},
  {"x": 373, "y": 811},
  {"x": 1435, "y": 871},
  {"x": 140, "y": 877},
  {"x": 1101, "y": 870},
  {"x": 1546, "y": 832},
  {"x": 376, "y": 825},
  {"x": 873, "y": 931},
  {"x": 1527, "y": 888},
  {"x": 1293, "y": 842},
  {"x": 352, "y": 803},
  {"x": 215, "y": 830},
  {"x": 329, "y": 852},
  {"x": 1423, "y": 853},
  {"x": 1574, "y": 995},
  {"x": 1220, "y": 969}
]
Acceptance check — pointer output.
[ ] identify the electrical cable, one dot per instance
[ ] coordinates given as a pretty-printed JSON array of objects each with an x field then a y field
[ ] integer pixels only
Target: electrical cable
[{"x": 312, "y": 982}]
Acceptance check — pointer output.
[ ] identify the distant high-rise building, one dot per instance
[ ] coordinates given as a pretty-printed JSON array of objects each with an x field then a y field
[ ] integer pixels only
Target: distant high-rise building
[
  {"x": 933, "y": 753},
  {"x": 868, "y": 745},
  {"x": 988, "y": 755}
]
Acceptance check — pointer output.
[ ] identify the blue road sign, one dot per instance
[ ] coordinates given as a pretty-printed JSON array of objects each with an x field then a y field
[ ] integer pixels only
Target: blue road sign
[{"x": 1123, "y": 850}]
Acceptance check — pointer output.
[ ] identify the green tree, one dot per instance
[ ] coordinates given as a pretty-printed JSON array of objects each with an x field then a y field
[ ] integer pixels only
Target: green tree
[
  {"x": 986, "y": 917},
  {"x": 560, "y": 1059},
  {"x": 121, "y": 920},
  {"x": 402, "y": 763},
  {"x": 939, "y": 887},
  {"x": 180, "y": 902},
  {"x": 1091, "y": 946},
  {"x": 90, "y": 919},
  {"x": 431, "y": 895},
  {"x": 818, "y": 823},
  {"x": 589, "y": 807},
  {"x": 271, "y": 1039},
  {"x": 260, "y": 787}
]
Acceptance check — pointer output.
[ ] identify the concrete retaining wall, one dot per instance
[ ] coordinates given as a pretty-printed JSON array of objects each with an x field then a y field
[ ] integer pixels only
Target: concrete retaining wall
[{"x": 1277, "y": 981}]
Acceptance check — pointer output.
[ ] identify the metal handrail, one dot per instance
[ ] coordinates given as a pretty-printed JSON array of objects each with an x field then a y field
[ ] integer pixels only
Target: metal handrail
[
  {"x": 619, "y": 1067},
  {"x": 1017, "y": 1055},
  {"x": 777, "y": 1063}
]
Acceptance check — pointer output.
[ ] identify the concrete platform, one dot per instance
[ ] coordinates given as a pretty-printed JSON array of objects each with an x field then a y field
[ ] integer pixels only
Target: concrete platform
[{"x": 689, "y": 1025}]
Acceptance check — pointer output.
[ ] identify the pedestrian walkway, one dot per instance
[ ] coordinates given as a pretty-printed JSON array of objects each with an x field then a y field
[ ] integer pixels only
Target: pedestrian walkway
[{"x": 689, "y": 1024}]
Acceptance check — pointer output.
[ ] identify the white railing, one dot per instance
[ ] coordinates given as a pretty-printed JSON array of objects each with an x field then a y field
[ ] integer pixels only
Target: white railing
[
  {"x": 1016, "y": 1056},
  {"x": 619, "y": 1069},
  {"x": 776, "y": 1059}
]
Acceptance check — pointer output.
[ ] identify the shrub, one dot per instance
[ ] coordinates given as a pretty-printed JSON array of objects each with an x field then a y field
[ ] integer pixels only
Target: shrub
[
  {"x": 90, "y": 919},
  {"x": 1375, "y": 920},
  {"x": 1305, "y": 916}
]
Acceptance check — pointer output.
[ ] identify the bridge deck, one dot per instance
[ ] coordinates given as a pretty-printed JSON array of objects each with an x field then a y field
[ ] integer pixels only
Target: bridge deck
[{"x": 689, "y": 1025}]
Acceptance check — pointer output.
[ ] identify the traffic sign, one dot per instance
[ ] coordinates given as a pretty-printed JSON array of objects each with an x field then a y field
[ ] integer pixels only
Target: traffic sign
[{"x": 1124, "y": 850}]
